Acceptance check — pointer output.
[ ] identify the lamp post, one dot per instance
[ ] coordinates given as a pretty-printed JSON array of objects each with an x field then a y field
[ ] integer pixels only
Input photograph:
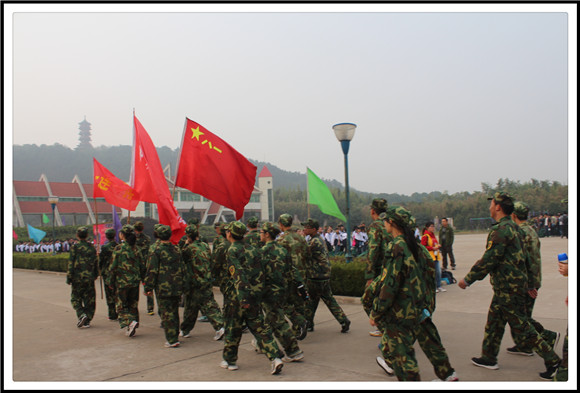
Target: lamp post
[
  {"x": 344, "y": 133},
  {"x": 53, "y": 200}
]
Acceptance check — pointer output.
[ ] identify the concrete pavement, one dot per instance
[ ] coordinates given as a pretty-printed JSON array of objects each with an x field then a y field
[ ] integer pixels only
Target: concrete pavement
[{"x": 46, "y": 346}]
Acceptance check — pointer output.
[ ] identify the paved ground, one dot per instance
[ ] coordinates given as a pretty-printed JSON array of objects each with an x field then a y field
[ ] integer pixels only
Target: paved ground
[{"x": 44, "y": 345}]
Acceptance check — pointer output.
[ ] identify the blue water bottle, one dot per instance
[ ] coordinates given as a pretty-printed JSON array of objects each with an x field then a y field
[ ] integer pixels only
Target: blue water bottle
[{"x": 563, "y": 258}]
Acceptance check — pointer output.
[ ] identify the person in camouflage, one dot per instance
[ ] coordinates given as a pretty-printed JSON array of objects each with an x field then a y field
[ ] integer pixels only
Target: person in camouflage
[
  {"x": 165, "y": 276},
  {"x": 126, "y": 272},
  {"x": 531, "y": 243},
  {"x": 143, "y": 245},
  {"x": 296, "y": 295},
  {"x": 401, "y": 295},
  {"x": 253, "y": 235},
  {"x": 105, "y": 259},
  {"x": 196, "y": 257},
  {"x": 279, "y": 275},
  {"x": 505, "y": 261},
  {"x": 446, "y": 238},
  {"x": 82, "y": 271},
  {"x": 318, "y": 275},
  {"x": 243, "y": 298},
  {"x": 220, "y": 247}
]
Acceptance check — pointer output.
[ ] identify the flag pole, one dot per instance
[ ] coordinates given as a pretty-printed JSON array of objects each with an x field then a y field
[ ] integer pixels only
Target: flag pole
[
  {"x": 179, "y": 158},
  {"x": 98, "y": 246},
  {"x": 307, "y": 194}
]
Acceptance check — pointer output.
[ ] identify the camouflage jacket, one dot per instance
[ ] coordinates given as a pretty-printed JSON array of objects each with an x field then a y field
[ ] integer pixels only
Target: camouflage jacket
[
  {"x": 82, "y": 264},
  {"x": 532, "y": 246},
  {"x": 379, "y": 238},
  {"x": 278, "y": 271},
  {"x": 165, "y": 271},
  {"x": 246, "y": 273},
  {"x": 197, "y": 260},
  {"x": 318, "y": 263},
  {"x": 504, "y": 259},
  {"x": 253, "y": 238},
  {"x": 427, "y": 266},
  {"x": 297, "y": 248},
  {"x": 143, "y": 244},
  {"x": 106, "y": 257},
  {"x": 401, "y": 287},
  {"x": 127, "y": 268},
  {"x": 219, "y": 267}
]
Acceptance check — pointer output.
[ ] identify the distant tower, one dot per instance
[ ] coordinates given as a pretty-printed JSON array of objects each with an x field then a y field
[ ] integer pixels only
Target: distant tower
[
  {"x": 85, "y": 135},
  {"x": 265, "y": 185}
]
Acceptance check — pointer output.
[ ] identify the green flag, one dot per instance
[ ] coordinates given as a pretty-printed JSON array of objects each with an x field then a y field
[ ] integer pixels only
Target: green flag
[
  {"x": 45, "y": 218},
  {"x": 319, "y": 194}
]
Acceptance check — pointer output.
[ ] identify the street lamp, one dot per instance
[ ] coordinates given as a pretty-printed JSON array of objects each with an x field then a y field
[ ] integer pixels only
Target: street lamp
[
  {"x": 53, "y": 200},
  {"x": 344, "y": 133}
]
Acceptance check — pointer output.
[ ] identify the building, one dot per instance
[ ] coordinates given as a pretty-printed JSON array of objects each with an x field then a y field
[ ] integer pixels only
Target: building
[{"x": 76, "y": 205}]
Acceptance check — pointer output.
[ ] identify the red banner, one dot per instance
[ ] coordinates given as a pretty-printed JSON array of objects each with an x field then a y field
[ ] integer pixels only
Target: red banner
[{"x": 114, "y": 190}]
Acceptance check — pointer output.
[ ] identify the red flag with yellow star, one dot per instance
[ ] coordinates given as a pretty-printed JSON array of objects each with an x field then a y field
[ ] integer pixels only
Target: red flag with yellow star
[
  {"x": 210, "y": 167},
  {"x": 114, "y": 190}
]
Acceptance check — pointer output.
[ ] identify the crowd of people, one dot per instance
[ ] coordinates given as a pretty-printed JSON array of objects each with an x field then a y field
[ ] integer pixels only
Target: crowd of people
[
  {"x": 272, "y": 277},
  {"x": 548, "y": 225},
  {"x": 56, "y": 246}
]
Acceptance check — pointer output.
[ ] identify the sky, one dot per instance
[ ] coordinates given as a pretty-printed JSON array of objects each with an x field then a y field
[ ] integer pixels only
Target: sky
[{"x": 445, "y": 97}]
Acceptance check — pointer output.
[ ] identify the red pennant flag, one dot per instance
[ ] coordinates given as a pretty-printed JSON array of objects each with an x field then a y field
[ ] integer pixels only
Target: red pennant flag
[
  {"x": 114, "y": 190},
  {"x": 210, "y": 167},
  {"x": 99, "y": 233},
  {"x": 149, "y": 181}
]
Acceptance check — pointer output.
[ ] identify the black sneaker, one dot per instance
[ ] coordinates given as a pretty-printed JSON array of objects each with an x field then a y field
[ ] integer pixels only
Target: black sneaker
[
  {"x": 303, "y": 332},
  {"x": 516, "y": 351},
  {"x": 345, "y": 326},
  {"x": 548, "y": 375},
  {"x": 82, "y": 321},
  {"x": 310, "y": 326},
  {"x": 481, "y": 362}
]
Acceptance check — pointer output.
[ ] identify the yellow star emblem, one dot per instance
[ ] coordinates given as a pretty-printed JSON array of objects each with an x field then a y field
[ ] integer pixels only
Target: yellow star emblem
[{"x": 196, "y": 133}]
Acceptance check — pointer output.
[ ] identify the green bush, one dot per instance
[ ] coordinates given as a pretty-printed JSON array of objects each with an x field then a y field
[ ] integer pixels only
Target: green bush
[
  {"x": 49, "y": 262},
  {"x": 347, "y": 279}
]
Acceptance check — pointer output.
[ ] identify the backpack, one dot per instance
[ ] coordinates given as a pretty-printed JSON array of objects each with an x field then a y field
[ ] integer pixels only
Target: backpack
[{"x": 446, "y": 274}]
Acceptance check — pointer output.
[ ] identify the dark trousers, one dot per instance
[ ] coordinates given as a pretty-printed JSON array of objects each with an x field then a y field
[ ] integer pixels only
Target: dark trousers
[{"x": 448, "y": 250}]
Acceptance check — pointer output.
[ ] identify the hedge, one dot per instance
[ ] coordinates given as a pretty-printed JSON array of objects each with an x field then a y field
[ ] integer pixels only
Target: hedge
[{"x": 53, "y": 263}]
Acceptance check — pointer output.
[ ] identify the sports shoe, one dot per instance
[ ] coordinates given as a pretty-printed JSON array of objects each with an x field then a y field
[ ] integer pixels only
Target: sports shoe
[
  {"x": 345, "y": 326},
  {"x": 174, "y": 345},
  {"x": 86, "y": 326},
  {"x": 295, "y": 357},
  {"x": 231, "y": 367},
  {"x": 150, "y": 312},
  {"x": 452, "y": 378},
  {"x": 438, "y": 290},
  {"x": 515, "y": 351},
  {"x": 310, "y": 327},
  {"x": 277, "y": 365},
  {"x": 452, "y": 267},
  {"x": 549, "y": 373},
  {"x": 134, "y": 325},
  {"x": 484, "y": 363},
  {"x": 183, "y": 334},
  {"x": 112, "y": 319},
  {"x": 219, "y": 334},
  {"x": 442, "y": 289},
  {"x": 303, "y": 332},
  {"x": 383, "y": 364},
  {"x": 376, "y": 333},
  {"x": 82, "y": 320},
  {"x": 203, "y": 318}
]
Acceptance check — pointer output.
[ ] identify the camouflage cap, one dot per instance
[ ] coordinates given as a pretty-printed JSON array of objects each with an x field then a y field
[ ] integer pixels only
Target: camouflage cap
[
  {"x": 521, "y": 210},
  {"x": 379, "y": 205},
  {"x": 252, "y": 222},
  {"x": 110, "y": 233},
  {"x": 191, "y": 231},
  {"x": 193, "y": 221},
  {"x": 217, "y": 225},
  {"x": 271, "y": 229},
  {"x": 163, "y": 231},
  {"x": 285, "y": 219},
  {"x": 127, "y": 229},
  {"x": 237, "y": 228},
  {"x": 311, "y": 223},
  {"x": 82, "y": 231},
  {"x": 502, "y": 197},
  {"x": 399, "y": 215},
  {"x": 139, "y": 226}
]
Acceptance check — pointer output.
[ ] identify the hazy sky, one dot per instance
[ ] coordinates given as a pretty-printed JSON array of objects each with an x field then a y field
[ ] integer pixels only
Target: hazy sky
[{"x": 443, "y": 100}]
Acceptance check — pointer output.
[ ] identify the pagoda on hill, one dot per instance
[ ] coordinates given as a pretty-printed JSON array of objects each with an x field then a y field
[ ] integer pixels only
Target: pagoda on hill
[{"x": 84, "y": 135}]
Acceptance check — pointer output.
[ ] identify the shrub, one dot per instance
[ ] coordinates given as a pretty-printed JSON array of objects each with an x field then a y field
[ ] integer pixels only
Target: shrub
[
  {"x": 347, "y": 279},
  {"x": 49, "y": 262}
]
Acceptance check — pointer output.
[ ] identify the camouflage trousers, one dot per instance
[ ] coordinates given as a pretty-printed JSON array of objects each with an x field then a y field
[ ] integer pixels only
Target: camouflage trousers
[
  {"x": 398, "y": 350},
  {"x": 320, "y": 289},
  {"x": 430, "y": 342},
  {"x": 169, "y": 313},
  {"x": 562, "y": 373},
  {"x": 547, "y": 335},
  {"x": 200, "y": 298},
  {"x": 111, "y": 297},
  {"x": 128, "y": 305},
  {"x": 83, "y": 298},
  {"x": 234, "y": 318},
  {"x": 275, "y": 318},
  {"x": 151, "y": 303},
  {"x": 510, "y": 308},
  {"x": 295, "y": 309}
]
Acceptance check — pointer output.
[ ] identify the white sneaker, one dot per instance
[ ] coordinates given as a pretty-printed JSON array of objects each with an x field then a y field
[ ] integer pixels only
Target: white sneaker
[
  {"x": 296, "y": 357},
  {"x": 174, "y": 345},
  {"x": 376, "y": 333},
  {"x": 182, "y": 334},
  {"x": 452, "y": 378},
  {"x": 231, "y": 367},
  {"x": 442, "y": 289},
  {"x": 277, "y": 365},
  {"x": 383, "y": 364},
  {"x": 134, "y": 325},
  {"x": 219, "y": 334},
  {"x": 438, "y": 290}
]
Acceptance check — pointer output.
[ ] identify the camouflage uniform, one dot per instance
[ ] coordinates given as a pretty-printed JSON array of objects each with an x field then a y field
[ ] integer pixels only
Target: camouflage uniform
[
  {"x": 105, "y": 259},
  {"x": 165, "y": 275},
  {"x": 243, "y": 297},
  {"x": 126, "y": 273},
  {"x": 378, "y": 240},
  {"x": 504, "y": 260},
  {"x": 81, "y": 274},
  {"x": 198, "y": 285},
  {"x": 318, "y": 274},
  {"x": 219, "y": 272},
  {"x": 253, "y": 235},
  {"x": 446, "y": 238},
  {"x": 143, "y": 245}
]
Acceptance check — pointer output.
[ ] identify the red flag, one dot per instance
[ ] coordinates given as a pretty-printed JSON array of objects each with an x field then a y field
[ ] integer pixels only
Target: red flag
[
  {"x": 210, "y": 167},
  {"x": 149, "y": 181},
  {"x": 114, "y": 190},
  {"x": 14, "y": 235},
  {"x": 99, "y": 233}
]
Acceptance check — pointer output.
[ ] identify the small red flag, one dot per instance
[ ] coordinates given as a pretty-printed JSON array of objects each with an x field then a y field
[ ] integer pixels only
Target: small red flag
[
  {"x": 210, "y": 167},
  {"x": 148, "y": 179},
  {"x": 114, "y": 190}
]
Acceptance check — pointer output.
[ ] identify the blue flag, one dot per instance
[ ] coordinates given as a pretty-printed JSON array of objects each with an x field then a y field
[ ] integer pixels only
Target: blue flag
[
  {"x": 116, "y": 224},
  {"x": 35, "y": 234}
]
